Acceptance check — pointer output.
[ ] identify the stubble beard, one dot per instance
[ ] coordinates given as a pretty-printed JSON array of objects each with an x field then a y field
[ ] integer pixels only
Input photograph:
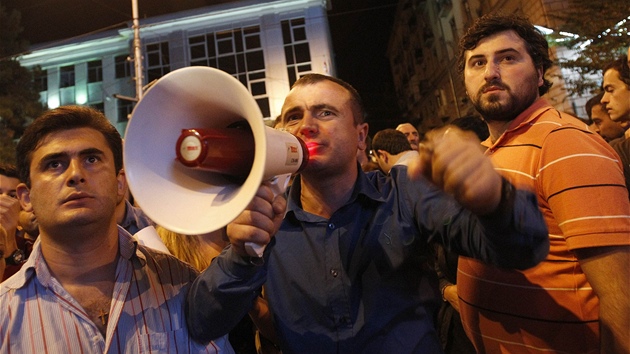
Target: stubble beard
[{"x": 492, "y": 109}]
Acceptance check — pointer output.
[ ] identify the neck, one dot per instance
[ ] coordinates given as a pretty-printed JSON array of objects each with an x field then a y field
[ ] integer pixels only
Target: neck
[
  {"x": 81, "y": 256},
  {"x": 120, "y": 211},
  {"x": 324, "y": 196},
  {"x": 395, "y": 158},
  {"x": 497, "y": 128}
]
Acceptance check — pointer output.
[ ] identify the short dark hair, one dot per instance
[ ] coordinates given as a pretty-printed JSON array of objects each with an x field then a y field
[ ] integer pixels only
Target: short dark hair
[
  {"x": 487, "y": 25},
  {"x": 474, "y": 124},
  {"x": 310, "y": 79},
  {"x": 64, "y": 118},
  {"x": 592, "y": 102},
  {"x": 623, "y": 71},
  {"x": 8, "y": 170},
  {"x": 390, "y": 140}
]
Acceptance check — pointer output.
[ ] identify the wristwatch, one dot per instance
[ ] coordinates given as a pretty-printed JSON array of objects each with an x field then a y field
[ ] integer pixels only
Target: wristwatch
[{"x": 16, "y": 258}]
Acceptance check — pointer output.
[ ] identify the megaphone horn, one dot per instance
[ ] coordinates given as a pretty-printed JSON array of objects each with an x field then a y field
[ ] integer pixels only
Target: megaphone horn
[{"x": 197, "y": 150}]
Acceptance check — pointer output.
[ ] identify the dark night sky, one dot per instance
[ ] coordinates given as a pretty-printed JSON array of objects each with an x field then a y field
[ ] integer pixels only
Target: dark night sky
[{"x": 360, "y": 32}]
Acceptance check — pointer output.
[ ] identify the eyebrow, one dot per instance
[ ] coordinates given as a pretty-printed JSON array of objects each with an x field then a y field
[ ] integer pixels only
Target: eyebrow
[
  {"x": 58, "y": 155},
  {"x": 315, "y": 107},
  {"x": 502, "y": 51}
]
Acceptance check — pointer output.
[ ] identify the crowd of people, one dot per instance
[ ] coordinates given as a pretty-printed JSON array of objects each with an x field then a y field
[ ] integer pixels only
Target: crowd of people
[{"x": 507, "y": 232}]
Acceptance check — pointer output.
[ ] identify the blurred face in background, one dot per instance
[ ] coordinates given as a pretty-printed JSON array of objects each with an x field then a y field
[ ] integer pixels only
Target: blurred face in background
[
  {"x": 411, "y": 133},
  {"x": 28, "y": 222},
  {"x": 616, "y": 96},
  {"x": 604, "y": 126},
  {"x": 8, "y": 185}
]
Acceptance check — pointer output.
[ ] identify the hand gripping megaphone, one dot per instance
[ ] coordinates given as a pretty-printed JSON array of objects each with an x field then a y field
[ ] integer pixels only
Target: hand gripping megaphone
[{"x": 197, "y": 149}]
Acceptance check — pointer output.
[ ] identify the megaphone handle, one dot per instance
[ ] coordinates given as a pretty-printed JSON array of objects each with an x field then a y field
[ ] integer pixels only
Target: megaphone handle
[{"x": 279, "y": 185}]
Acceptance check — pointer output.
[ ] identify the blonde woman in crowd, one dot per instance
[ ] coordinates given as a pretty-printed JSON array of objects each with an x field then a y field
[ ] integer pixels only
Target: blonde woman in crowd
[{"x": 199, "y": 251}]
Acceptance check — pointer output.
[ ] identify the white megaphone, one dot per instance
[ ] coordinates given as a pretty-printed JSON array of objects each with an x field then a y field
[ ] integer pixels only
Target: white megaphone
[{"x": 197, "y": 149}]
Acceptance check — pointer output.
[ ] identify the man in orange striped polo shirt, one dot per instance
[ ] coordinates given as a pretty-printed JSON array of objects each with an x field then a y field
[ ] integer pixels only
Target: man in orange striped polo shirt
[{"x": 576, "y": 300}]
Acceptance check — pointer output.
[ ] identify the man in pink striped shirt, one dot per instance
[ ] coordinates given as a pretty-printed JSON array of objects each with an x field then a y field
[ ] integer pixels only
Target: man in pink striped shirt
[{"x": 88, "y": 287}]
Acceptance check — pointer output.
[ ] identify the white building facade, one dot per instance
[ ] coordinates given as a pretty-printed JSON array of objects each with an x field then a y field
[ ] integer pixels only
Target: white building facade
[{"x": 266, "y": 44}]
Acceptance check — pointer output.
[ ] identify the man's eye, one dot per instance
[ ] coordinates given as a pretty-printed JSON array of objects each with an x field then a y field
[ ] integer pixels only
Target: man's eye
[
  {"x": 53, "y": 164},
  {"x": 325, "y": 113},
  {"x": 292, "y": 120},
  {"x": 91, "y": 159}
]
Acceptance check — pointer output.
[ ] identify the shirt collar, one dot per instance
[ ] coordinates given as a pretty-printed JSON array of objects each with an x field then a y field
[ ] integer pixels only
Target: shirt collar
[
  {"x": 406, "y": 157},
  {"x": 36, "y": 265},
  {"x": 134, "y": 219},
  {"x": 525, "y": 118},
  {"x": 362, "y": 189}
]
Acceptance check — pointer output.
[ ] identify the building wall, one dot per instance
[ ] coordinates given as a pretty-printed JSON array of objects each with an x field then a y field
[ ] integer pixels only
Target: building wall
[{"x": 171, "y": 35}]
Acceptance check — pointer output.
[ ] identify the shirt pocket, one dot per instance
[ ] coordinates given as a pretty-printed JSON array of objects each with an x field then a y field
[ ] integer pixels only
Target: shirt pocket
[
  {"x": 167, "y": 342},
  {"x": 395, "y": 239}
]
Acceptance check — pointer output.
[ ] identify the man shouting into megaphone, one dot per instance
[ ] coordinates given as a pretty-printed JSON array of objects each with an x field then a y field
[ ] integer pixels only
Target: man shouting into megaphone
[{"x": 345, "y": 267}]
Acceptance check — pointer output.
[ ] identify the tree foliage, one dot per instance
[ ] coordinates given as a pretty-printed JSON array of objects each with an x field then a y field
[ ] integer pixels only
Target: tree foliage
[
  {"x": 19, "y": 98},
  {"x": 600, "y": 31}
]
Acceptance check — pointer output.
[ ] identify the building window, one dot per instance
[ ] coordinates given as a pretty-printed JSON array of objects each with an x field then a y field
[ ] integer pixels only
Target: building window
[
  {"x": 125, "y": 108},
  {"x": 95, "y": 71},
  {"x": 99, "y": 106},
  {"x": 40, "y": 80},
  {"x": 157, "y": 60},
  {"x": 296, "y": 49},
  {"x": 66, "y": 76},
  {"x": 123, "y": 66},
  {"x": 238, "y": 52}
]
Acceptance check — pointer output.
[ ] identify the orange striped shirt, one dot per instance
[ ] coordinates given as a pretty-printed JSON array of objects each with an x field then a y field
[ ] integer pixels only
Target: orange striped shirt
[{"x": 581, "y": 192}]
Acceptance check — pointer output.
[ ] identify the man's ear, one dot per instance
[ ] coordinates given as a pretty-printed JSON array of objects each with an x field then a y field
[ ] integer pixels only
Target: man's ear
[
  {"x": 384, "y": 155},
  {"x": 363, "y": 131},
  {"x": 122, "y": 186},
  {"x": 24, "y": 196},
  {"x": 541, "y": 77}
]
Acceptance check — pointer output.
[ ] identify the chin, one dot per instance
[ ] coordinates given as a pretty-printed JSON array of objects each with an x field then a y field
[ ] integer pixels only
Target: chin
[{"x": 81, "y": 219}]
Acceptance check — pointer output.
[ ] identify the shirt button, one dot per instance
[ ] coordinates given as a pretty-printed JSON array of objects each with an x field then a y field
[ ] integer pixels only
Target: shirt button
[
  {"x": 334, "y": 272},
  {"x": 331, "y": 226}
]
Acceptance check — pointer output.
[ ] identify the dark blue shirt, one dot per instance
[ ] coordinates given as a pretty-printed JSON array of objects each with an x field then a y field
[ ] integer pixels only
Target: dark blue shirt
[
  {"x": 135, "y": 219},
  {"x": 359, "y": 282}
]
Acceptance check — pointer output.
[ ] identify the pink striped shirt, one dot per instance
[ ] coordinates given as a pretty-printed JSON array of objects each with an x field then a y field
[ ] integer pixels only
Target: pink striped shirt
[{"x": 37, "y": 315}]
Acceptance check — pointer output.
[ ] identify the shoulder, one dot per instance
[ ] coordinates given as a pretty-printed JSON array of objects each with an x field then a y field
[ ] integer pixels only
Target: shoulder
[
  {"x": 621, "y": 145},
  {"x": 561, "y": 133},
  {"x": 554, "y": 120},
  {"x": 168, "y": 267}
]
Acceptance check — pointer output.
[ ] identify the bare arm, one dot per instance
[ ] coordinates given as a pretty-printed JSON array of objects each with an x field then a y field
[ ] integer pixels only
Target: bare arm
[
  {"x": 608, "y": 271},
  {"x": 261, "y": 316},
  {"x": 9, "y": 213},
  {"x": 3, "y": 238}
]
